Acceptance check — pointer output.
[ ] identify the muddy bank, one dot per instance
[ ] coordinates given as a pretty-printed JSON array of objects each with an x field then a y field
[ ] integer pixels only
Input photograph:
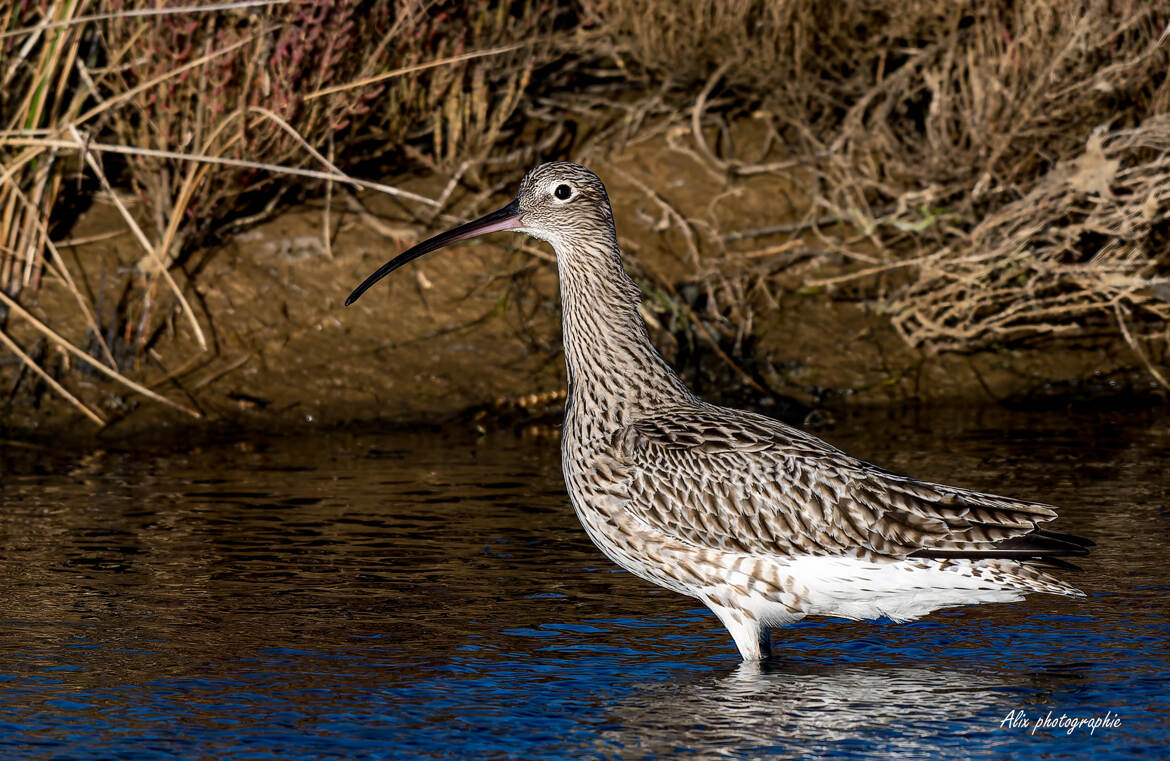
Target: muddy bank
[{"x": 473, "y": 334}]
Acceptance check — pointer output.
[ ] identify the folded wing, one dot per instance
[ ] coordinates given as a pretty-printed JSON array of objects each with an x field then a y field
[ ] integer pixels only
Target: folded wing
[{"x": 721, "y": 478}]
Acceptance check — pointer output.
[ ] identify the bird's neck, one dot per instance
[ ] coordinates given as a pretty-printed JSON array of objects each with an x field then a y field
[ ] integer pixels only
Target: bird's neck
[{"x": 615, "y": 374}]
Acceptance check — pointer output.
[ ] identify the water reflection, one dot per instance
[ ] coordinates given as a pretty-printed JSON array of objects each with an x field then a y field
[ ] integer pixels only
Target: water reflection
[
  {"x": 782, "y": 710},
  {"x": 414, "y": 597}
]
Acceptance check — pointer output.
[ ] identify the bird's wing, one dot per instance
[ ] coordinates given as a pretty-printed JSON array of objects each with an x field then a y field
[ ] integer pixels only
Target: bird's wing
[{"x": 726, "y": 479}]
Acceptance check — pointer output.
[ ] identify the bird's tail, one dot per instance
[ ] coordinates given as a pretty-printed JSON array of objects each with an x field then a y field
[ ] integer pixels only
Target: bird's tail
[
  {"x": 1040, "y": 547},
  {"x": 1028, "y": 577}
]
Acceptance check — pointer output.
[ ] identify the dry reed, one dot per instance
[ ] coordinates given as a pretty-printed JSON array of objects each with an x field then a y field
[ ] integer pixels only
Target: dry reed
[
  {"x": 196, "y": 110},
  {"x": 991, "y": 172},
  {"x": 1006, "y": 161}
]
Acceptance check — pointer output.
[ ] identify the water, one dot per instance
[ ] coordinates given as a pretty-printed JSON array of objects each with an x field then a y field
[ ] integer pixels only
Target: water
[{"x": 432, "y": 597}]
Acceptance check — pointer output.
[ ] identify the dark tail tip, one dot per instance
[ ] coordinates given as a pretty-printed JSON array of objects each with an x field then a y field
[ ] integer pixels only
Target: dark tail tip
[{"x": 1040, "y": 546}]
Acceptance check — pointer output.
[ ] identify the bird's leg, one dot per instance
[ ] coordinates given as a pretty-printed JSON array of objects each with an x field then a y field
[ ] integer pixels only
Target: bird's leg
[{"x": 750, "y": 636}]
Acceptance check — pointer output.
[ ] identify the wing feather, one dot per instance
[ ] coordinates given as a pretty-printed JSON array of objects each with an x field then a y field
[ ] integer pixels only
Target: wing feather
[{"x": 723, "y": 478}]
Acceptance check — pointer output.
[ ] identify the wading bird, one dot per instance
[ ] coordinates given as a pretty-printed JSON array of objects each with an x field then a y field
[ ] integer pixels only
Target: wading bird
[{"x": 762, "y": 522}]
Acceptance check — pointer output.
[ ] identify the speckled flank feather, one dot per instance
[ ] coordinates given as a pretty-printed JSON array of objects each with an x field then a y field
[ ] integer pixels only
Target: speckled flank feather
[{"x": 762, "y": 522}]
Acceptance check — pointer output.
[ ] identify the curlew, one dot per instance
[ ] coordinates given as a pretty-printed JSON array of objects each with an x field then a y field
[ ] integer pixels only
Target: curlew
[{"x": 762, "y": 522}]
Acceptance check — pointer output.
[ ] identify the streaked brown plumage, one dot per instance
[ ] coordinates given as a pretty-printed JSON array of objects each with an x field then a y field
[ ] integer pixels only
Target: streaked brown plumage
[{"x": 762, "y": 522}]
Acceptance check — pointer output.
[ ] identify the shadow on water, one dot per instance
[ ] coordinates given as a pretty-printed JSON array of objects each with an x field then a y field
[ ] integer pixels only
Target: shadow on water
[{"x": 429, "y": 597}]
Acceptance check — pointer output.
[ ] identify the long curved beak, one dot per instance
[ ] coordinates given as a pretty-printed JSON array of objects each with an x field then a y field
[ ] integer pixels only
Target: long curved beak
[{"x": 507, "y": 218}]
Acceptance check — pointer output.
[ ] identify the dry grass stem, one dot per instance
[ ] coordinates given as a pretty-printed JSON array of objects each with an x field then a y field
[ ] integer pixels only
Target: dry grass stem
[
  {"x": 414, "y": 70},
  {"x": 53, "y": 384},
  {"x": 198, "y": 158},
  {"x": 62, "y": 269},
  {"x": 131, "y": 13},
  {"x": 1137, "y": 349},
  {"x": 151, "y": 251},
  {"x": 219, "y": 373},
  {"x": 667, "y": 209},
  {"x": 87, "y": 359}
]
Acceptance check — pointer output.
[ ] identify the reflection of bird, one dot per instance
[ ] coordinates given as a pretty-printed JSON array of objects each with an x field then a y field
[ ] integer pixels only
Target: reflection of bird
[
  {"x": 764, "y": 523},
  {"x": 813, "y": 711}
]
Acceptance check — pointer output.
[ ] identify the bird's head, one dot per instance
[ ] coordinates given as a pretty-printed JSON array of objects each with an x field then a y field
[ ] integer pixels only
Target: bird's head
[{"x": 558, "y": 202}]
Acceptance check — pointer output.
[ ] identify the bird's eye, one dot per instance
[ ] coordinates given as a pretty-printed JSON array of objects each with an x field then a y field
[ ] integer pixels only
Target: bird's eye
[{"x": 563, "y": 192}]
